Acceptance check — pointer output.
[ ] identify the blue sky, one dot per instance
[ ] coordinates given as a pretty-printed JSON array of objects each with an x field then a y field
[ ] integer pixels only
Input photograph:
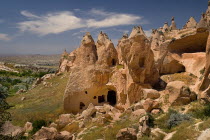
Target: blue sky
[{"x": 50, "y": 26}]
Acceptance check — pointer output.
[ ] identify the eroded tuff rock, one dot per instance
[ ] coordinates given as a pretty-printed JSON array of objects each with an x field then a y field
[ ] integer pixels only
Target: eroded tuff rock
[
  {"x": 138, "y": 58},
  {"x": 191, "y": 23},
  {"x": 179, "y": 93},
  {"x": 107, "y": 54},
  {"x": 101, "y": 74},
  {"x": 97, "y": 79},
  {"x": 206, "y": 76}
]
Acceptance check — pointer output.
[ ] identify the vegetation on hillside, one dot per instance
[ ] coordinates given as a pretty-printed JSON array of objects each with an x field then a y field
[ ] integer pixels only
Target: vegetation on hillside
[{"x": 41, "y": 103}]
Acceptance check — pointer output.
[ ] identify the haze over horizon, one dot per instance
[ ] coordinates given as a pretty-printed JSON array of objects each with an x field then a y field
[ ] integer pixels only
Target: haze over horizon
[{"x": 50, "y": 26}]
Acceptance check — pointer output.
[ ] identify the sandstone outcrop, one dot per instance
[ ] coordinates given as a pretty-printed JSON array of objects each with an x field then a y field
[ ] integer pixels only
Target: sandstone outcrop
[
  {"x": 191, "y": 23},
  {"x": 206, "y": 76},
  {"x": 107, "y": 54},
  {"x": 144, "y": 128},
  {"x": 45, "y": 133},
  {"x": 101, "y": 74},
  {"x": 100, "y": 81},
  {"x": 179, "y": 93},
  {"x": 127, "y": 134}
]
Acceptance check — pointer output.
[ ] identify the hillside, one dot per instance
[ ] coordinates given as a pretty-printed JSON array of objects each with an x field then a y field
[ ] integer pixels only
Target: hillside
[{"x": 43, "y": 102}]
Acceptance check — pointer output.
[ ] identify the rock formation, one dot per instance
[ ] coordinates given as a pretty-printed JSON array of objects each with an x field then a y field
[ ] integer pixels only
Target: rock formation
[
  {"x": 173, "y": 24},
  {"x": 107, "y": 54},
  {"x": 205, "y": 83},
  {"x": 191, "y": 23},
  {"x": 95, "y": 76},
  {"x": 101, "y": 74}
]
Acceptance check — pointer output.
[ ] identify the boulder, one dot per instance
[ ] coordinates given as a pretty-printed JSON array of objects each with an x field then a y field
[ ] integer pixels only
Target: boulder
[
  {"x": 138, "y": 106},
  {"x": 150, "y": 104},
  {"x": 53, "y": 125},
  {"x": 28, "y": 127},
  {"x": 144, "y": 128},
  {"x": 155, "y": 111},
  {"x": 151, "y": 93},
  {"x": 179, "y": 93},
  {"x": 126, "y": 134},
  {"x": 64, "y": 119},
  {"x": 64, "y": 135},
  {"x": 137, "y": 113},
  {"x": 71, "y": 127},
  {"x": 89, "y": 112},
  {"x": 205, "y": 135},
  {"x": 45, "y": 133},
  {"x": 9, "y": 129}
]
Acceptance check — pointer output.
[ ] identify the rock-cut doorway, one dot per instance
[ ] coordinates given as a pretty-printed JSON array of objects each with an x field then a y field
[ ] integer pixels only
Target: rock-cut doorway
[{"x": 111, "y": 97}]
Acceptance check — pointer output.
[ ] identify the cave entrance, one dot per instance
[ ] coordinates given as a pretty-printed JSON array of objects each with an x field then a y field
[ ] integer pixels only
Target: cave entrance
[
  {"x": 101, "y": 99},
  {"x": 113, "y": 62},
  {"x": 111, "y": 97},
  {"x": 81, "y": 105}
]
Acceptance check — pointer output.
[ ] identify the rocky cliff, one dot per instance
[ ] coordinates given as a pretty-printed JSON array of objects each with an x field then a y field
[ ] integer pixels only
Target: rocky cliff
[{"x": 102, "y": 74}]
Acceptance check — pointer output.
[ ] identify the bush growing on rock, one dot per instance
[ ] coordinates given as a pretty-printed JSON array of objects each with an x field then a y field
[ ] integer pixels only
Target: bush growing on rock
[
  {"x": 177, "y": 118},
  {"x": 200, "y": 111},
  {"x": 38, "y": 125}
]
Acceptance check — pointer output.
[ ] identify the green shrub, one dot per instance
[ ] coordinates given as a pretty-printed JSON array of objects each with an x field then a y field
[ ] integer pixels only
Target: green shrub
[
  {"x": 151, "y": 120},
  {"x": 200, "y": 111},
  {"x": 38, "y": 125},
  {"x": 177, "y": 118},
  {"x": 171, "y": 119},
  {"x": 202, "y": 71},
  {"x": 16, "y": 88}
]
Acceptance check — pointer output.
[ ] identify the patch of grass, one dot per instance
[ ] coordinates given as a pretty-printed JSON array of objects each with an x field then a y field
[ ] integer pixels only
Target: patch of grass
[
  {"x": 159, "y": 136},
  {"x": 202, "y": 71},
  {"x": 145, "y": 138},
  {"x": 93, "y": 134},
  {"x": 184, "y": 77},
  {"x": 101, "y": 132},
  {"x": 41, "y": 103},
  {"x": 169, "y": 121},
  {"x": 204, "y": 125},
  {"x": 200, "y": 111},
  {"x": 185, "y": 132},
  {"x": 120, "y": 66},
  {"x": 112, "y": 132}
]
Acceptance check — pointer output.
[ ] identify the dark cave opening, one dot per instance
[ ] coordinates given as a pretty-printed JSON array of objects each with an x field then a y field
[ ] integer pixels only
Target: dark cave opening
[
  {"x": 101, "y": 99},
  {"x": 113, "y": 62},
  {"x": 81, "y": 105},
  {"x": 111, "y": 97}
]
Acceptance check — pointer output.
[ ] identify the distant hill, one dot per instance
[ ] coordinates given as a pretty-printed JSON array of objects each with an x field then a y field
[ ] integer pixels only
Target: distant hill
[{"x": 41, "y": 60}]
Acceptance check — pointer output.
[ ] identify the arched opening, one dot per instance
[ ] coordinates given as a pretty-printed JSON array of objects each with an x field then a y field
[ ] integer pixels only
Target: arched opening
[
  {"x": 141, "y": 62},
  {"x": 111, "y": 97},
  {"x": 101, "y": 99},
  {"x": 113, "y": 62},
  {"x": 81, "y": 105}
]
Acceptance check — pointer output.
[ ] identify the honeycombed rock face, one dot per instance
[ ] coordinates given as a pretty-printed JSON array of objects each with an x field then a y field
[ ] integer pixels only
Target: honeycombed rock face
[
  {"x": 95, "y": 76},
  {"x": 138, "y": 58},
  {"x": 107, "y": 54},
  {"x": 101, "y": 74},
  {"x": 206, "y": 77},
  {"x": 86, "y": 54}
]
